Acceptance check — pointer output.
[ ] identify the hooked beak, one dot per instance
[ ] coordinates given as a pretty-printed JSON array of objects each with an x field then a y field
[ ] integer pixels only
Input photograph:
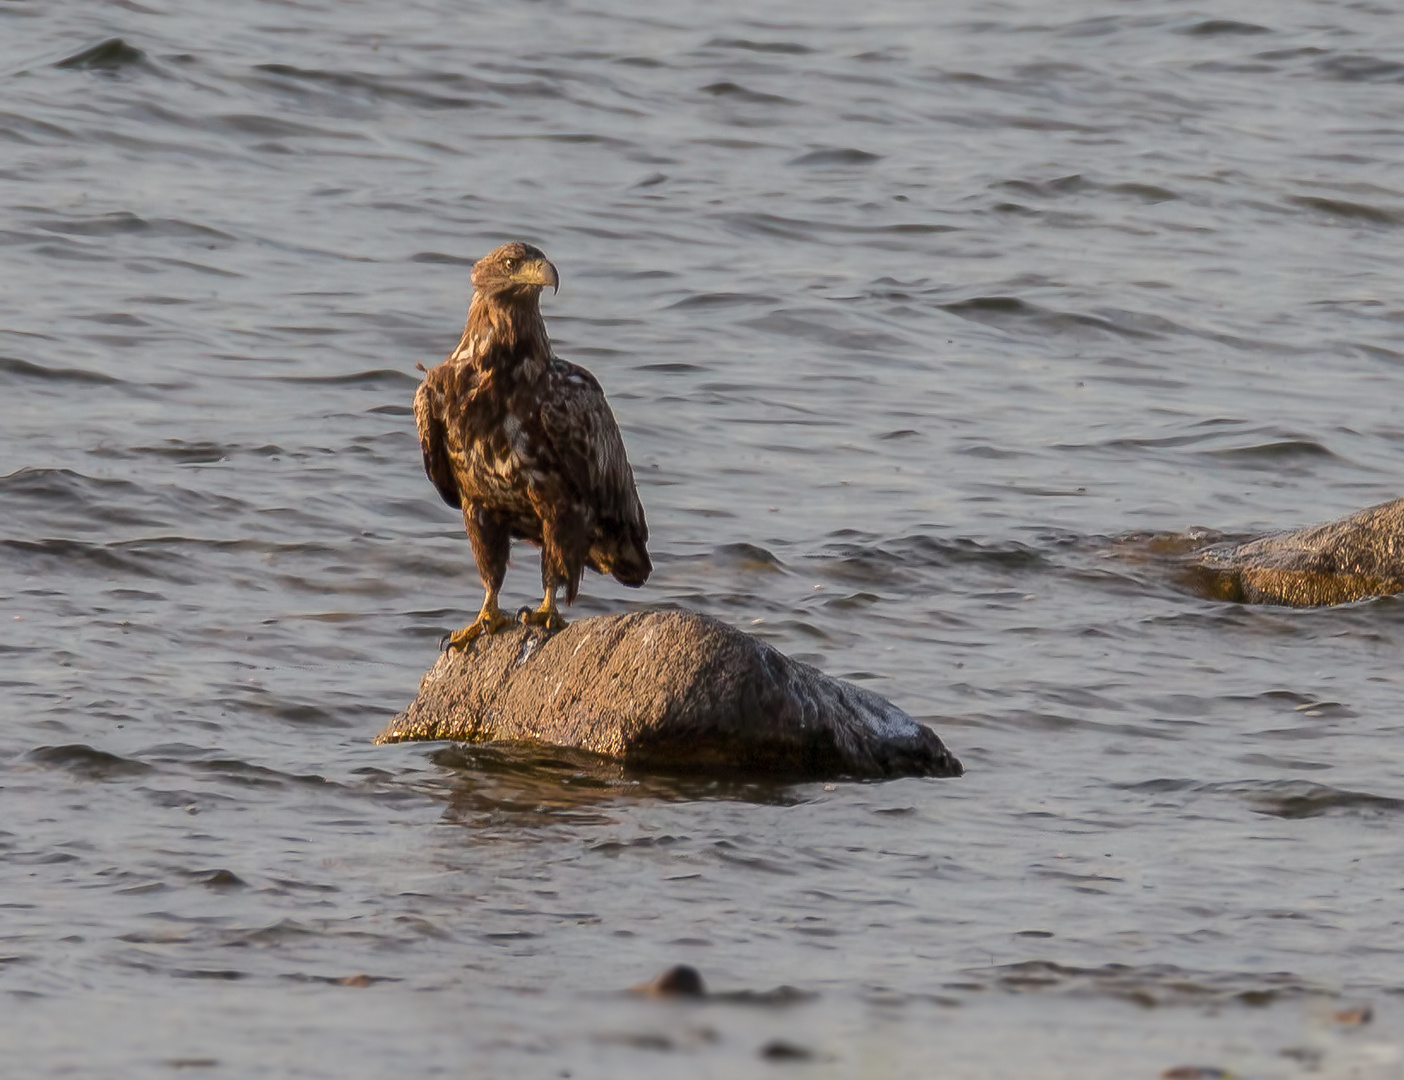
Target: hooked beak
[{"x": 539, "y": 272}]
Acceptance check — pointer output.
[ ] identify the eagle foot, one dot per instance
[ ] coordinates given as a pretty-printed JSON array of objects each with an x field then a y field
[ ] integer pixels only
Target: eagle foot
[
  {"x": 486, "y": 623},
  {"x": 549, "y": 618}
]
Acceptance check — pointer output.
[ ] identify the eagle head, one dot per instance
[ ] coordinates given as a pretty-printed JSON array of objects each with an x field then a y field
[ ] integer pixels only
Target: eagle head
[{"x": 515, "y": 270}]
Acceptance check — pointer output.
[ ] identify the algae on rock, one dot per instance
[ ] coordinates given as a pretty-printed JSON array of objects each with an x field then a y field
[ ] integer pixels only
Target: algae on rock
[{"x": 1355, "y": 557}]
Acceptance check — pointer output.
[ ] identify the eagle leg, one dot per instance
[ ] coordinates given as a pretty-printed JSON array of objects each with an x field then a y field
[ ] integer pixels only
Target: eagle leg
[
  {"x": 564, "y": 544},
  {"x": 547, "y": 615},
  {"x": 489, "y": 621},
  {"x": 492, "y": 544}
]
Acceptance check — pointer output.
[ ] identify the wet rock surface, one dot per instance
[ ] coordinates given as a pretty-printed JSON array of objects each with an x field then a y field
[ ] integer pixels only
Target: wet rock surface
[
  {"x": 1355, "y": 557},
  {"x": 668, "y": 690}
]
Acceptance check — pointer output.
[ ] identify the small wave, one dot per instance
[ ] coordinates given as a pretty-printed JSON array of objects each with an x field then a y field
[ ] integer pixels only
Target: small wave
[
  {"x": 1161, "y": 785},
  {"x": 836, "y": 156},
  {"x": 64, "y": 556},
  {"x": 123, "y": 222},
  {"x": 186, "y": 264},
  {"x": 516, "y": 784},
  {"x": 23, "y": 369},
  {"x": 285, "y": 930},
  {"x": 993, "y": 453},
  {"x": 29, "y": 130},
  {"x": 117, "y": 318},
  {"x": 1077, "y": 184},
  {"x": 114, "y": 54},
  {"x": 1150, "y": 984},
  {"x": 63, "y": 484},
  {"x": 671, "y": 367},
  {"x": 1361, "y": 67},
  {"x": 743, "y": 556},
  {"x": 786, "y": 324},
  {"x": 385, "y": 377},
  {"x": 857, "y": 601},
  {"x": 1277, "y": 763},
  {"x": 788, "y": 228},
  {"x": 343, "y": 84},
  {"x": 1062, "y": 185},
  {"x": 1166, "y": 442},
  {"x": 1304, "y": 799},
  {"x": 110, "y": 500},
  {"x": 1222, "y": 27},
  {"x": 1351, "y": 211},
  {"x": 270, "y": 127},
  {"x": 358, "y": 980},
  {"x": 222, "y": 974},
  {"x": 86, "y": 762},
  {"x": 589, "y": 138},
  {"x": 221, "y": 880},
  {"x": 783, "y": 48},
  {"x": 68, "y": 252},
  {"x": 250, "y": 775},
  {"x": 1150, "y": 193},
  {"x": 1006, "y": 311},
  {"x": 1290, "y": 54},
  {"x": 895, "y": 561},
  {"x": 723, "y": 299},
  {"x": 736, "y": 92},
  {"x": 440, "y": 257},
  {"x": 193, "y": 453},
  {"x": 1270, "y": 452},
  {"x": 298, "y": 713}
]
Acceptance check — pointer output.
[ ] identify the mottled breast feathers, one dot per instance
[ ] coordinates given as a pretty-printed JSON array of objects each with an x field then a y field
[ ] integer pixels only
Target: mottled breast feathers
[{"x": 531, "y": 448}]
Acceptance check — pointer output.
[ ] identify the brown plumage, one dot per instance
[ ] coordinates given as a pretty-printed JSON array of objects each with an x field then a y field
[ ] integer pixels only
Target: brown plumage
[{"x": 525, "y": 444}]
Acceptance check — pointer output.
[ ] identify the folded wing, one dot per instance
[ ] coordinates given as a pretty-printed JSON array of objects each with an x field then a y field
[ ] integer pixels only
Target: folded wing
[
  {"x": 433, "y": 437},
  {"x": 585, "y": 440}
]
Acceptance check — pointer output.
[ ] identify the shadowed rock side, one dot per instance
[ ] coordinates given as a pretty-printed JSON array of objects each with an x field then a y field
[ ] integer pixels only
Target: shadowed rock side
[
  {"x": 1356, "y": 557},
  {"x": 668, "y": 690}
]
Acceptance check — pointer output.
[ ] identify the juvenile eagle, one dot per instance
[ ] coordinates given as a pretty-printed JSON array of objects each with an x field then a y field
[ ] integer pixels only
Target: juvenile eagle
[{"x": 524, "y": 443}]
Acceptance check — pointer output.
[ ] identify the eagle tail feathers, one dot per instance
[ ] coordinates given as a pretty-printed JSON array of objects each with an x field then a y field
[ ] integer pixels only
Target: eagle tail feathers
[
  {"x": 624, "y": 556},
  {"x": 633, "y": 570}
]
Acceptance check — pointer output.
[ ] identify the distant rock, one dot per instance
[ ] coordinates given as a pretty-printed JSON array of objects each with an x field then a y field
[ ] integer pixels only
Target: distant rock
[
  {"x": 685, "y": 981},
  {"x": 1356, "y": 557},
  {"x": 680, "y": 980},
  {"x": 668, "y": 690}
]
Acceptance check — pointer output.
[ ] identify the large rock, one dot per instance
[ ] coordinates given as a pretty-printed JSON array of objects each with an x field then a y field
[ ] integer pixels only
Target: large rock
[
  {"x": 668, "y": 690},
  {"x": 1356, "y": 557}
]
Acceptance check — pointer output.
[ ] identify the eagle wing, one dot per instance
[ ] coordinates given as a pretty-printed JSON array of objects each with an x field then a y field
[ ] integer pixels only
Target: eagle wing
[
  {"x": 433, "y": 436},
  {"x": 581, "y": 429}
]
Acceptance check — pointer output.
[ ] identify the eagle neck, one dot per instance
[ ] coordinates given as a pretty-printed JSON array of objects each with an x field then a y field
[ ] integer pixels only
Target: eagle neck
[{"x": 505, "y": 335}]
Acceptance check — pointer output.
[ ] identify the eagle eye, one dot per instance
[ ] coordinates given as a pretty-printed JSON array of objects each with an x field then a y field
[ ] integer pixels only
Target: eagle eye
[{"x": 510, "y": 265}]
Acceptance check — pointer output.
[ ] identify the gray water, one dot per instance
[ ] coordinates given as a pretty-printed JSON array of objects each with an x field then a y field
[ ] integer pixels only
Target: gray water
[{"x": 910, "y": 315}]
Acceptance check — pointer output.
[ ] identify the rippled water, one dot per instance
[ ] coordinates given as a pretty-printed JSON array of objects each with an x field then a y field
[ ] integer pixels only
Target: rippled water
[{"x": 907, "y": 312}]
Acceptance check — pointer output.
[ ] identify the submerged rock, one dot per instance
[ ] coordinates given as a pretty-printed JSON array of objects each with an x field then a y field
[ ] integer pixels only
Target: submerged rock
[
  {"x": 668, "y": 690},
  {"x": 1350, "y": 559}
]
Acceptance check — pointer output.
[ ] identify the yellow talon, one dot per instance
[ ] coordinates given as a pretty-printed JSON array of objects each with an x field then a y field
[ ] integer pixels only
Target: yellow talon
[
  {"x": 546, "y": 615},
  {"x": 489, "y": 621},
  {"x": 551, "y": 620}
]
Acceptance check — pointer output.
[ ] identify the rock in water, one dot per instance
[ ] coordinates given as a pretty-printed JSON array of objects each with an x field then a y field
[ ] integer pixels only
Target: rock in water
[
  {"x": 668, "y": 690},
  {"x": 1356, "y": 557}
]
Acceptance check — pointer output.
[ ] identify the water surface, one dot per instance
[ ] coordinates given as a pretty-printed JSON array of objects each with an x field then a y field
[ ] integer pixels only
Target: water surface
[{"x": 906, "y": 316}]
